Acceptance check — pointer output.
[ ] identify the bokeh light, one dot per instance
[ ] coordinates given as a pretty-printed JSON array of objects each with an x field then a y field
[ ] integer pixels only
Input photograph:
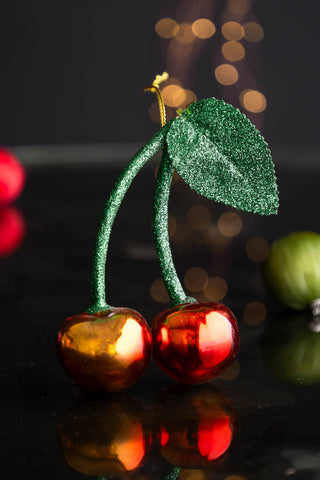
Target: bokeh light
[
  {"x": 235, "y": 477},
  {"x": 253, "y": 101},
  {"x": 238, "y": 7},
  {"x": 242, "y": 95},
  {"x": 167, "y": 28},
  {"x": 214, "y": 237},
  {"x": 154, "y": 112},
  {"x": 230, "y": 224},
  {"x": 185, "y": 35},
  {"x": 253, "y": 32},
  {"x": 190, "y": 96},
  {"x": 254, "y": 313},
  {"x": 199, "y": 217},
  {"x": 257, "y": 249},
  {"x": 158, "y": 291},
  {"x": 233, "y": 51},
  {"x": 226, "y": 74},
  {"x": 193, "y": 474},
  {"x": 182, "y": 231},
  {"x": 175, "y": 178},
  {"x": 195, "y": 279},
  {"x": 290, "y": 471},
  {"x": 231, "y": 372},
  {"x": 172, "y": 225},
  {"x": 203, "y": 28},
  {"x": 215, "y": 289},
  {"x": 232, "y": 31},
  {"x": 172, "y": 81},
  {"x": 173, "y": 95}
]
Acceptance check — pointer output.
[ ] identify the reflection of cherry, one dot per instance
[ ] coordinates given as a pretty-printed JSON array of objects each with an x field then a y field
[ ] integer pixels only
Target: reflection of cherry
[
  {"x": 193, "y": 343},
  {"x": 105, "y": 437},
  {"x": 12, "y": 229},
  {"x": 12, "y": 178},
  {"x": 105, "y": 351},
  {"x": 196, "y": 426}
]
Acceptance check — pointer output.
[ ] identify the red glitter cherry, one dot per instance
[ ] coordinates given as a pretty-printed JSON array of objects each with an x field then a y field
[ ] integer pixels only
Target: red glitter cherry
[
  {"x": 12, "y": 178},
  {"x": 105, "y": 351},
  {"x": 194, "y": 343},
  {"x": 12, "y": 229}
]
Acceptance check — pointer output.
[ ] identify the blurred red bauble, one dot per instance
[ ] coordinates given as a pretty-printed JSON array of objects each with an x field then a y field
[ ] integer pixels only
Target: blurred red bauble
[
  {"x": 12, "y": 229},
  {"x": 194, "y": 343},
  {"x": 105, "y": 351},
  {"x": 12, "y": 178}
]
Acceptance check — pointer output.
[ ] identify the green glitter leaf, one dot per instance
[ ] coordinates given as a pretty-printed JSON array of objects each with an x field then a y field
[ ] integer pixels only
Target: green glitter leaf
[{"x": 221, "y": 155}]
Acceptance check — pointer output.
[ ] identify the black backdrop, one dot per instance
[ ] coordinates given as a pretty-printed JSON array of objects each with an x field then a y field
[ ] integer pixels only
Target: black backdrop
[{"x": 73, "y": 70}]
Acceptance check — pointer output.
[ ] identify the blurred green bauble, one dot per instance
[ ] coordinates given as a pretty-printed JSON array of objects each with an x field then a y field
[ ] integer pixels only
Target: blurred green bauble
[
  {"x": 292, "y": 269},
  {"x": 291, "y": 348}
]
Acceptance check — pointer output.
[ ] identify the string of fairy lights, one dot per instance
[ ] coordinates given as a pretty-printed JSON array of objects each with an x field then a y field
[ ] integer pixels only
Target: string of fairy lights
[{"x": 233, "y": 34}]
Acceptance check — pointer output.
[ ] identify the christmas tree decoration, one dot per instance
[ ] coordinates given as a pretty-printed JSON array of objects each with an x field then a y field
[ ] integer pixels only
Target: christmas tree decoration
[
  {"x": 291, "y": 270},
  {"x": 105, "y": 351},
  {"x": 194, "y": 343},
  {"x": 12, "y": 230},
  {"x": 105, "y": 437},
  {"x": 201, "y": 434},
  {"x": 12, "y": 178},
  {"x": 221, "y": 155},
  {"x": 291, "y": 347}
]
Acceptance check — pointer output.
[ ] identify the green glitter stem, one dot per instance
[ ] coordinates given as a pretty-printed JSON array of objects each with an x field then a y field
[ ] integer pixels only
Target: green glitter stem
[
  {"x": 173, "y": 473},
  {"x": 98, "y": 294},
  {"x": 161, "y": 235}
]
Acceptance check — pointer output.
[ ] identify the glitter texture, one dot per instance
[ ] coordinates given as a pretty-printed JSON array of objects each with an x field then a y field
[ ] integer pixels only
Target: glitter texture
[
  {"x": 221, "y": 155},
  {"x": 173, "y": 472},
  {"x": 160, "y": 231},
  {"x": 98, "y": 295}
]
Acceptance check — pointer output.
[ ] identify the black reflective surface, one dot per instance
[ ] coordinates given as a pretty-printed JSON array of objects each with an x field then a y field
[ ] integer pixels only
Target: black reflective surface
[{"x": 268, "y": 425}]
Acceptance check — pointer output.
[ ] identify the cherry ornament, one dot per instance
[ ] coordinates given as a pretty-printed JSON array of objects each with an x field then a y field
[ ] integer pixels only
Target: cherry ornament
[
  {"x": 194, "y": 343},
  {"x": 215, "y": 149},
  {"x": 105, "y": 351}
]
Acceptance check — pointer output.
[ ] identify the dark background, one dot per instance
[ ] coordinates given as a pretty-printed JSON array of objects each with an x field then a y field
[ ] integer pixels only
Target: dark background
[{"x": 72, "y": 71}]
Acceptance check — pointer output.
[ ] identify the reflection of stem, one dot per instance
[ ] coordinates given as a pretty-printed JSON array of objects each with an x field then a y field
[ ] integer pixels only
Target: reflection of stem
[
  {"x": 160, "y": 232},
  {"x": 173, "y": 473},
  {"x": 314, "y": 325},
  {"x": 98, "y": 295}
]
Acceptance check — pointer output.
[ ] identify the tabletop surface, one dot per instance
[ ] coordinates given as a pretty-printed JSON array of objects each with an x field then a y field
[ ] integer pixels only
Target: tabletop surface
[{"x": 51, "y": 429}]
